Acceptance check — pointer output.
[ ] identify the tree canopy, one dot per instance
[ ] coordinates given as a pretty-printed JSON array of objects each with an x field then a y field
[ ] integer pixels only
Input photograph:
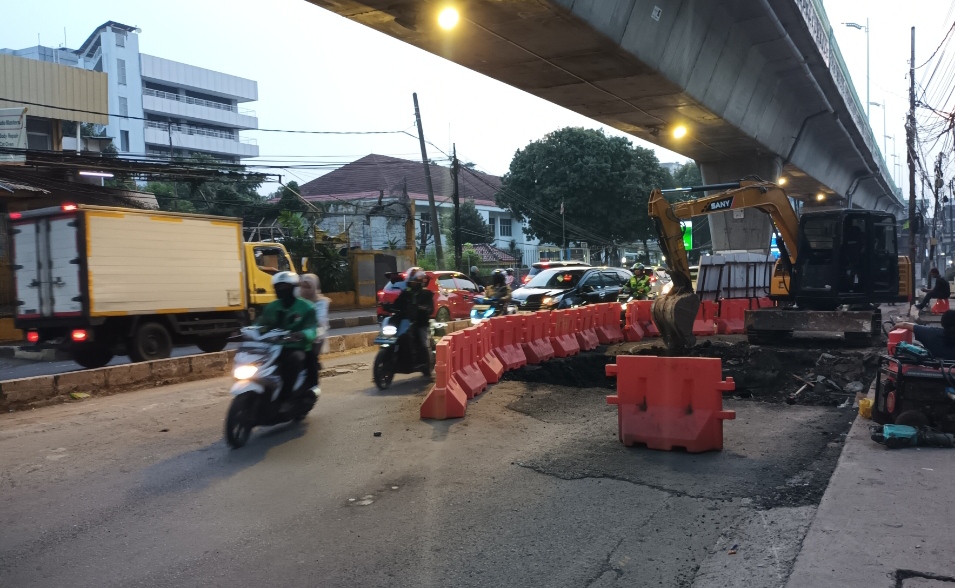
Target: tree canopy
[
  {"x": 687, "y": 175},
  {"x": 473, "y": 227},
  {"x": 603, "y": 182}
]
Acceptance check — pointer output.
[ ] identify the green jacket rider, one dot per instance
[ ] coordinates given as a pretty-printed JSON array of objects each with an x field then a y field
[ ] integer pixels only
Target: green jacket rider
[
  {"x": 639, "y": 283},
  {"x": 291, "y": 313}
]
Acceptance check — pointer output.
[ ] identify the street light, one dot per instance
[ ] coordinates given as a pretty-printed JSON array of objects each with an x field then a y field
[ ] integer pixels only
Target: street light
[
  {"x": 448, "y": 18},
  {"x": 679, "y": 132},
  {"x": 884, "y": 136},
  {"x": 866, "y": 29}
]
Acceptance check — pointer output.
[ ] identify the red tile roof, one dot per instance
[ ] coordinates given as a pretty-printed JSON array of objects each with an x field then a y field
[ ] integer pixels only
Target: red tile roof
[
  {"x": 365, "y": 177},
  {"x": 491, "y": 254}
]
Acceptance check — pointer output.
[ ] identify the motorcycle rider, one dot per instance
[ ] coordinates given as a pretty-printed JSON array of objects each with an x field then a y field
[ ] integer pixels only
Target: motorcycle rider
[
  {"x": 510, "y": 278},
  {"x": 499, "y": 289},
  {"x": 639, "y": 283},
  {"x": 476, "y": 277},
  {"x": 416, "y": 303},
  {"x": 290, "y": 313}
]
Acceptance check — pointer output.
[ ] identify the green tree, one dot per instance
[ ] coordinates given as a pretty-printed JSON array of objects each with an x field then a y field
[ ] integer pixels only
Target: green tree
[
  {"x": 230, "y": 194},
  {"x": 687, "y": 175},
  {"x": 473, "y": 227},
  {"x": 603, "y": 182}
]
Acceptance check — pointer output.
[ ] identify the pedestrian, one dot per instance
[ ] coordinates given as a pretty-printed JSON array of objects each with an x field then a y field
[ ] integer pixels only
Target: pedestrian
[
  {"x": 509, "y": 279},
  {"x": 310, "y": 289},
  {"x": 941, "y": 289}
]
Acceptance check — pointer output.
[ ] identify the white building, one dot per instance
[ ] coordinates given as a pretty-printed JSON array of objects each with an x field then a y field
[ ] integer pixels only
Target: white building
[{"x": 151, "y": 98}]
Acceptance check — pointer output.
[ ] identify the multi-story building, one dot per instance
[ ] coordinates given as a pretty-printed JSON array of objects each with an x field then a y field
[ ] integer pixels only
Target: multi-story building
[{"x": 160, "y": 107}]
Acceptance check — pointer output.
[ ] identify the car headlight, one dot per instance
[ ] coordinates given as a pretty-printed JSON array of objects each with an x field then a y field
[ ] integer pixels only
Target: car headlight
[
  {"x": 548, "y": 300},
  {"x": 389, "y": 330},
  {"x": 244, "y": 372}
]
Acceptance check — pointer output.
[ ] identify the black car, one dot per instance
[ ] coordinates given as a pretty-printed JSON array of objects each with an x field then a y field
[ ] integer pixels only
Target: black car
[
  {"x": 540, "y": 266},
  {"x": 565, "y": 287}
]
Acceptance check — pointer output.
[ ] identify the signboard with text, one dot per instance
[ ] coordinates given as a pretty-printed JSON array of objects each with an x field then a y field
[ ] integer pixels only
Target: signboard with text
[{"x": 13, "y": 135}]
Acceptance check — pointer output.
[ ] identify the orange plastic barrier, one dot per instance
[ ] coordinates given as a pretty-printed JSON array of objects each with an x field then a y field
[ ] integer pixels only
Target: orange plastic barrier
[
  {"x": 940, "y": 306},
  {"x": 464, "y": 362},
  {"x": 490, "y": 365},
  {"x": 586, "y": 335},
  {"x": 562, "y": 338},
  {"x": 763, "y": 302},
  {"x": 608, "y": 323},
  {"x": 508, "y": 332},
  {"x": 897, "y": 336},
  {"x": 732, "y": 313},
  {"x": 446, "y": 400},
  {"x": 667, "y": 402},
  {"x": 645, "y": 318},
  {"x": 633, "y": 327},
  {"x": 705, "y": 323},
  {"x": 536, "y": 338}
]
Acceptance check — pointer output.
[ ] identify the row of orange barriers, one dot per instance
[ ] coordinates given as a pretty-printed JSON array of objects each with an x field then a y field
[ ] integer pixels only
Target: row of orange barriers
[
  {"x": 723, "y": 317},
  {"x": 467, "y": 361}
]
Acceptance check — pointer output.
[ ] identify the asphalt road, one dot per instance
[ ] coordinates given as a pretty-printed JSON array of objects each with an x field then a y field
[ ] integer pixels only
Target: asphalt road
[
  {"x": 532, "y": 488},
  {"x": 11, "y": 368}
]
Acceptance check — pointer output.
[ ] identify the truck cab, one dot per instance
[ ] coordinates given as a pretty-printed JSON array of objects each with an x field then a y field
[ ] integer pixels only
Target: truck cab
[{"x": 262, "y": 261}]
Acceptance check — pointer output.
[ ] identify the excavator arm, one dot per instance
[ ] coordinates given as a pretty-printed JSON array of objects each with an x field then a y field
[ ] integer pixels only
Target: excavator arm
[{"x": 675, "y": 312}]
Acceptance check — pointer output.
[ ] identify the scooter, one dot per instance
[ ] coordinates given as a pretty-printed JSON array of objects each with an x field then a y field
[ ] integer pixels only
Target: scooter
[
  {"x": 258, "y": 385},
  {"x": 396, "y": 354},
  {"x": 485, "y": 308}
]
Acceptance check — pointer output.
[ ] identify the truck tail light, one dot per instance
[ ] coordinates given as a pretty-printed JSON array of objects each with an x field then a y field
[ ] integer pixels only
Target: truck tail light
[
  {"x": 16, "y": 215},
  {"x": 33, "y": 337},
  {"x": 68, "y": 207},
  {"x": 78, "y": 335}
]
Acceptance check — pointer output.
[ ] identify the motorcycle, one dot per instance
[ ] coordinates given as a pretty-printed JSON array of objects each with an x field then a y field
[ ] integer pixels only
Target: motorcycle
[
  {"x": 396, "y": 354},
  {"x": 485, "y": 308},
  {"x": 258, "y": 385}
]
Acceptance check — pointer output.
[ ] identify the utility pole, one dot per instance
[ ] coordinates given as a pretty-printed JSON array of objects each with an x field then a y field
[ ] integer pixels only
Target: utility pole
[
  {"x": 910, "y": 147},
  {"x": 435, "y": 230},
  {"x": 937, "y": 188},
  {"x": 458, "y": 246}
]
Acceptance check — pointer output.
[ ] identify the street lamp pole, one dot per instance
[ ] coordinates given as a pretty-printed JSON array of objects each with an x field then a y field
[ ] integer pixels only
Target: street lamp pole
[
  {"x": 884, "y": 130},
  {"x": 866, "y": 29}
]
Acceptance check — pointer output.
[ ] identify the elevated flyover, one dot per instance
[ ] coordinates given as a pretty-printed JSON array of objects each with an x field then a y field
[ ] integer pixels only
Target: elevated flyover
[{"x": 759, "y": 85}]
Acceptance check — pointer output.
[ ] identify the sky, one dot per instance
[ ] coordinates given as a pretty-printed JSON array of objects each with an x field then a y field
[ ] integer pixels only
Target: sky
[{"x": 317, "y": 71}]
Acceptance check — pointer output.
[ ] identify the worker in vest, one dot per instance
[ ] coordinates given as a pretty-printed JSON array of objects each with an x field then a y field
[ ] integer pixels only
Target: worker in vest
[{"x": 639, "y": 283}]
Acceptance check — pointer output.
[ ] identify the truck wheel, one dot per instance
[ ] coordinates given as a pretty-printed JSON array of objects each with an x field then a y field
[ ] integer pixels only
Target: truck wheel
[
  {"x": 212, "y": 343},
  {"x": 150, "y": 341},
  {"x": 91, "y": 355}
]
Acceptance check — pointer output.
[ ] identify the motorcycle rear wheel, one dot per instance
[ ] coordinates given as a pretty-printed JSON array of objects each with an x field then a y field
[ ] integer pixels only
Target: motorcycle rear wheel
[
  {"x": 383, "y": 371},
  {"x": 239, "y": 420}
]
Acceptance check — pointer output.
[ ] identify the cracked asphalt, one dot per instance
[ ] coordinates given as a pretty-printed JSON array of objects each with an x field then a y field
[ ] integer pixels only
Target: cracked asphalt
[{"x": 532, "y": 488}]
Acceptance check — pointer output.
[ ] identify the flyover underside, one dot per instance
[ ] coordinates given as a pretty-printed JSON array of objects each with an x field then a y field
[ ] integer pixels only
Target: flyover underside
[
  {"x": 732, "y": 72},
  {"x": 745, "y": 229}
]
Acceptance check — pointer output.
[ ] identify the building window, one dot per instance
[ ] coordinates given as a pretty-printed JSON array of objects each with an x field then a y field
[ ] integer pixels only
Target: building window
[
  {"x": 505, "y": 227},
  {"x": 123, "y": 106},
  {"x": 120, "y": 39},
  {"x": 121, "y": 71},
  {"x": 39, "y": 134},
  {"x": 124, "y": 141},
  {"x": 492, "y": 222}
]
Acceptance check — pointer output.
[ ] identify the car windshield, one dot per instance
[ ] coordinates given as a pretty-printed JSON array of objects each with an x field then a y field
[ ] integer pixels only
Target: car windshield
[{"x": 559, "y": 278}]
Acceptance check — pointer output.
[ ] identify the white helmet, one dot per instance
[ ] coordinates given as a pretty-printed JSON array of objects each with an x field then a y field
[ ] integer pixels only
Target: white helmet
[{"x": 290, "y": 278}]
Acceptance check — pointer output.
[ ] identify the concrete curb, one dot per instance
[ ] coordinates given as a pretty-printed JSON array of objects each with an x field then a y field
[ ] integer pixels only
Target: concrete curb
[
  {"x": 352, "y": 321},
  {"x": 41, "y": 391}
]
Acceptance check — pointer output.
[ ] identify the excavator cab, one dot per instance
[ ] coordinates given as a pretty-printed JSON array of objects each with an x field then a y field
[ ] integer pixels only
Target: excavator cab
[{"x": 845, "y": 257}]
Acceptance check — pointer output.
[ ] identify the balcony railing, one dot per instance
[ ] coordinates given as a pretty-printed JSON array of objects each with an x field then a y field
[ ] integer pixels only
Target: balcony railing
[
  {"x": 190, "y": 130},
  {"x": 197, "y": 101}
]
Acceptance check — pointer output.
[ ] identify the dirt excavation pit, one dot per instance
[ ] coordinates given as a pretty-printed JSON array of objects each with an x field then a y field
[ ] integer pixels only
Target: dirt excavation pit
[{"x": 793, "y": 375}]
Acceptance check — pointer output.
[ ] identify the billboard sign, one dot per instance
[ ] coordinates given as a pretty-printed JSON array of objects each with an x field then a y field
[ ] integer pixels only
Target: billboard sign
[{"x": 13, "y": 135}]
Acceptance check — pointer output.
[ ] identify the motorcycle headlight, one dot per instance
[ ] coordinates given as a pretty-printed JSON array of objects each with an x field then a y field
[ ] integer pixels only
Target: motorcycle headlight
[
  {"x": 488, "y": 313},
  {"x": 389, "y": 330},
  {"x": 666, "y": 289},
  {"x": 244, "y": 372}
]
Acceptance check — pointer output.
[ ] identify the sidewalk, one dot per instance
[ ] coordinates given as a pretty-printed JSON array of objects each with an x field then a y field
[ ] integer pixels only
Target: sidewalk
[
  {"x": 340, "y": 319},
  {"x": 885, "y": 520}
]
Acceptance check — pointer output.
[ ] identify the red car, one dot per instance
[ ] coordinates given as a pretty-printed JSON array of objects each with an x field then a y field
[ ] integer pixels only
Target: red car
[{"x": 453, "y": 294}]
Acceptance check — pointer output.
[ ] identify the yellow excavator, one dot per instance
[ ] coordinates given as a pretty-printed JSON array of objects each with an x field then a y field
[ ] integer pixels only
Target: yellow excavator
[{"x": 829, "y": 260}]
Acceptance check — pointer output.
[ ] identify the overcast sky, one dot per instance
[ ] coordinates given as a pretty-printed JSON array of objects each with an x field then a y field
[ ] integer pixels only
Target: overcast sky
[{"x": 317, "y": 71}]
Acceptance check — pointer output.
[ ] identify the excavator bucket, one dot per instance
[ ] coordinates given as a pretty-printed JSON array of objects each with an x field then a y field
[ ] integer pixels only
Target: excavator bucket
[{"x": 673, "y": 314}]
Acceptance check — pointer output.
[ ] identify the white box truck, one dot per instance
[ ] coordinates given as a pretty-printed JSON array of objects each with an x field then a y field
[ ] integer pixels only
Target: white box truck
[{"x": 101, "y": 281}]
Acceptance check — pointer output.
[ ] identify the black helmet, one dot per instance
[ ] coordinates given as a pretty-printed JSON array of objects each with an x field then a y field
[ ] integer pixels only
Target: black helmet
[
  {"x": 474, "y": 269},
  {"x": 498, "y": 277},
  {"x": 415, "y": 276}
]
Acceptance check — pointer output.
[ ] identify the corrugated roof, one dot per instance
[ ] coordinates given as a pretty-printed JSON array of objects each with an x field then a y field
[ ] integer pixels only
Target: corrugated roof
[{"x": 374, "y": 173}]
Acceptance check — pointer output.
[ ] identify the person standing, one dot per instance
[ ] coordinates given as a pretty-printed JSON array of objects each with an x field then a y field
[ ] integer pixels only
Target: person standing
[{"x": 310, "y": 289}]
